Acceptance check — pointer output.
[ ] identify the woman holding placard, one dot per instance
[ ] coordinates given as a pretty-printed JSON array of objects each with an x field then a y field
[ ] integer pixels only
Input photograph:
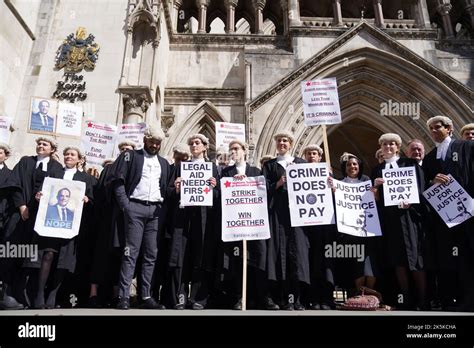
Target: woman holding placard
[
  {"x": 64, "y": 250},
  {"x": 321, "y": 268},
  {"x": 359, "y": 273},
  {"x": 194, "y": 240},
  {"x": 403, "y": 236},
  {"x": 29, "y": 174},
  {"x": 287, "y": 249}
]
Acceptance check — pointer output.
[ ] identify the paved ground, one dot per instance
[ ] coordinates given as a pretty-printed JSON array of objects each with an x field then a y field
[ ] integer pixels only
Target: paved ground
[{"x": 213, "y": 312}]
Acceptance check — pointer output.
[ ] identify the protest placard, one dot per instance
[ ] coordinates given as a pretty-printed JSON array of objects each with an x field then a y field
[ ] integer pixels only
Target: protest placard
[
  {"x": 60, "y": 208},
  {"x": 196, "y": 190},
  {"x": 5, "y": 123},
  {"x": 131, "y": 132},
  {"x": 320, "y": 102},
  {"x": 69, "y": 119},
  {"x": 244, "y": 209},
  {"x": 98, "y": 142},
  {"x": 400, "y": 186},
  {"x": 451, "y": 201},
  {"x": 356, "y": 211},
  {"x": 225, "y": 132},
  {"x": 309, "y": 194}
]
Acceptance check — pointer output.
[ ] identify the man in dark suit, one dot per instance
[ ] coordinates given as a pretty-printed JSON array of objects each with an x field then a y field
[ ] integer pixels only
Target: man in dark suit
[
  {"x": 41, "y": 121},
  {"x": 453, "y": 247},
  {"x": 59, "y": 211},
  {"x": 140, "y": 179}
]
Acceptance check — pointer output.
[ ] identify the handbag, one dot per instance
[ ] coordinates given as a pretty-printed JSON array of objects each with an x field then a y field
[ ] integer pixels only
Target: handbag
[{"x": 368, "y": 300}]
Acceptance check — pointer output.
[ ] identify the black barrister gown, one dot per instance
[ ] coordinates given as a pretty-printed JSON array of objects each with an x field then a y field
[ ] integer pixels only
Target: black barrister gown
[
  {"x": 9, "y": 215},
  {"x": 30, "y": 179},
  {"x": 459, "y": 162},
  {"x": 67, "y": 248},
  {"x": 402, "y": 230},
  {"x": 109, "y": 231},
  {"x": 194, "y": 231},
  {"x": 287, "y": 249},
  {"x": 350, "y": 269},
  {"x": 7, "y": 209},
  {"x": 256, "y": 248}
]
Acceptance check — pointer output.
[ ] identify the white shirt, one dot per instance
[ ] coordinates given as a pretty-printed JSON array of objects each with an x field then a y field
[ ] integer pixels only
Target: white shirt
[
  {"x": 241, "y": 167},
  {"x": 44, "y": 160},
  {"x": 285, "y": 160},
  {"x": 1, "y": 166},
  {"x": 148, "y": 189},
  {"x": 69, "y": 173},
  {"x": 442, "y": 148},
  {"x": 391, "y": 162},
  {"x": 198, "y": 160}
]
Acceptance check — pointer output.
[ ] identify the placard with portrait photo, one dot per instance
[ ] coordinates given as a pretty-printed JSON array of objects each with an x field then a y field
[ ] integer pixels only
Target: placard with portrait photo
[
  {"x": 42, "y": 116},
  {"x": 60, "y": 208}
]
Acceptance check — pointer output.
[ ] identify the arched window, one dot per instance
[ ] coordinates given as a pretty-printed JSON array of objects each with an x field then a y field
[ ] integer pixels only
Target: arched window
[{"x": 217, "y": 26}]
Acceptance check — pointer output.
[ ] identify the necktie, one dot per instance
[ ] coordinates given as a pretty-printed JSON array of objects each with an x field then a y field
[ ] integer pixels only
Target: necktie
[
  {"x": 64, "y": 214},
  {"x": 391, "y": 167},
  {"x": 45, "y": 121}
]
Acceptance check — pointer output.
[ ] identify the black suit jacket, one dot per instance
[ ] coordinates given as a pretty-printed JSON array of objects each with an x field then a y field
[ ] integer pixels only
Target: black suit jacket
[
  {"x": 53, "y": 213},
  {"x": 127, "y": 172},
  {"x": 459, "y": 162}
]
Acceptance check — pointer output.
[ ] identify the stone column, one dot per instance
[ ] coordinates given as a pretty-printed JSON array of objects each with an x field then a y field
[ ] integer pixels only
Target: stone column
[
  {"x": 337, "y": 13},
  {"x": 284, "y": 10},
  {"x": 379, "y": 21},
  {"x": 176, "y": 6},
  {"x": 444, "y": 8},
  {"x": 248, "y": 81},
  {"x": 126, "y": 57},
  {"x": 294, "y": 13},
  {"x": 423, "y": 16},
  {"x": 136, "y": 101},
  {"x": 230, "y": 6},
  {"x": 469, "y": 6},
  {"x": 202, "y": 8},
  {"x": 259, "y": 5}
]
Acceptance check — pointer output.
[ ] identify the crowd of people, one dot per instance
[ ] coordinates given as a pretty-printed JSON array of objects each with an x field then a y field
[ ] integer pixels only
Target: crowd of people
[{"x": 134, "y": 226}]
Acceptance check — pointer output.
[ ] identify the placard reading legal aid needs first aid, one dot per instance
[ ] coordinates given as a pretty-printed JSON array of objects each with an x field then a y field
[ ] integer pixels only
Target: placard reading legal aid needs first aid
[
  {"x": 452, "y": 203},
  {"x": 60, "y": 208},
  {"x": 309, "y": 194},
  {"x": 244, "y": 209},
  {"x": 196, "y": 189},
  {"x": 400, "y": 186}
]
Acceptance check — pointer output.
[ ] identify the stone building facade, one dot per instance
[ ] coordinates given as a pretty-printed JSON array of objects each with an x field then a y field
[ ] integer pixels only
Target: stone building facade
[{"x": 184, "y": 64}]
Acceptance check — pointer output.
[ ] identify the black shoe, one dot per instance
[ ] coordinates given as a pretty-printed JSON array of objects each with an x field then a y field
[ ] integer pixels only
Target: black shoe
[
  {"x": 180, "y": 306},
  {"x": 150, "y": 303},
  {"x": 299, "y": 307},
  {"x": 328, "y": 305},
  {"x": 315, "y": 307},
  {"x": 288, "y": 307},
  {"x": 238, "y": 305},
  {"x": 197, "y": 306},
  {"x": 269, "y": 305},
  {"x": 93, "y": 302},
  {"x": 10, "y": 303},
  {"x": 124, "y": 303}
]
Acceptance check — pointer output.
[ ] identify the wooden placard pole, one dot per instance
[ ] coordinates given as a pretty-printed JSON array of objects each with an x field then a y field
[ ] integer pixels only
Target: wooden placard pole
[
  {"x": 244, "y": 276},
  {"x": 326, "y": 147}
]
